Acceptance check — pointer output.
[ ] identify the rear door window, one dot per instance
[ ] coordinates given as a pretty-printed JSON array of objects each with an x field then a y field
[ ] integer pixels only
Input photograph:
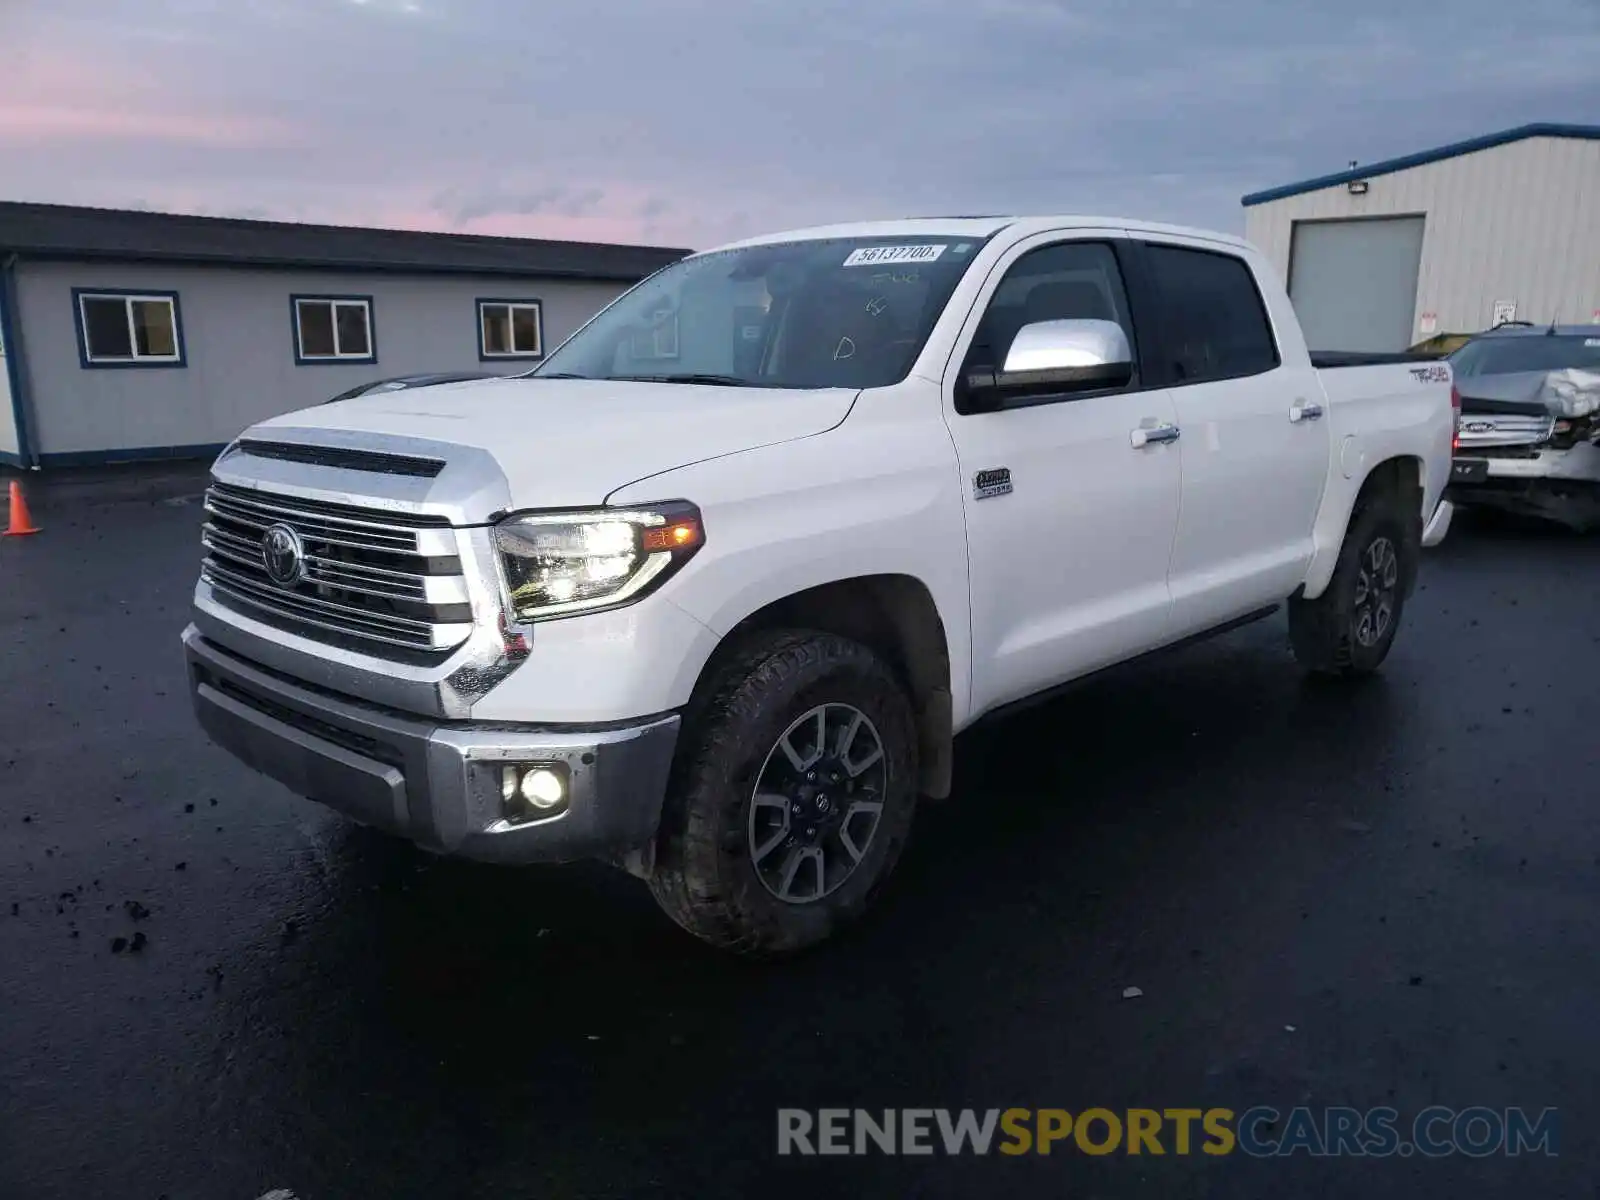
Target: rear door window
[{"x": 1213, "y": 322}]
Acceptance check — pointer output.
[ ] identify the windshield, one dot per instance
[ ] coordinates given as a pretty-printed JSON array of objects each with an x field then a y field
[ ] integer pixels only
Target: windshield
[
  {"x": 1530, "y": 352},
  {"x": 833, "y": 312}
]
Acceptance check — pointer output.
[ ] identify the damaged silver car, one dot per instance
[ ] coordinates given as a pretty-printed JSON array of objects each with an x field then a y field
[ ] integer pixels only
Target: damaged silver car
[{"x": 1529, "y": 439}]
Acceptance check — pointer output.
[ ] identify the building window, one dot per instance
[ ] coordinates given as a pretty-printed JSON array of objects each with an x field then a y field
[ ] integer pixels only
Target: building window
[
  {"x": 510, "y": 329},
  {"x": 333, "y": 329},
  {"x": 656, "y": 337},
  {"x": 128, "y": 329}
]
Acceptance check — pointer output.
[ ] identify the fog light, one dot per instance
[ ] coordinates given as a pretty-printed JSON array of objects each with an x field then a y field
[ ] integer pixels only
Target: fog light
[
  {"x": 533, "y": 791},
  {"x": 543, "y": 788}
]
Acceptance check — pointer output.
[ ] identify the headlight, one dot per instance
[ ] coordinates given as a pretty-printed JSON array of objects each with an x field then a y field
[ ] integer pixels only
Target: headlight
[{"x": 561, "y": 563}]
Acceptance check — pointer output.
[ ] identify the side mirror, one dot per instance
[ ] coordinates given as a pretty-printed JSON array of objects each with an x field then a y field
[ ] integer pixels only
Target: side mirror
[{"x": 1050, "y": 357}]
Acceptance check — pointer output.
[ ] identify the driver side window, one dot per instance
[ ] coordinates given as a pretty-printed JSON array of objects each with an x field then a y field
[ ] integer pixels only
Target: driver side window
[{"x": 1066, "y": 281}]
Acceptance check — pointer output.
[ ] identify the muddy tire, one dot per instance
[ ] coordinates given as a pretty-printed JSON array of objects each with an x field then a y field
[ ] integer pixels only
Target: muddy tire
[
  {"x": 1348, "y": 630},
  {"x": 792, "y": 795}
]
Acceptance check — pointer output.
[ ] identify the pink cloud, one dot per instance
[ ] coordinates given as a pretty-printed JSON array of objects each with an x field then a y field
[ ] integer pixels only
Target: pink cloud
[
  {"x": 615, "y": 219},
  {"x": 68, "y": 97},
  {"x": 577, "y": 229},
  {"x": 60, "y": 99},
  {"x": 25, "y": 123}
]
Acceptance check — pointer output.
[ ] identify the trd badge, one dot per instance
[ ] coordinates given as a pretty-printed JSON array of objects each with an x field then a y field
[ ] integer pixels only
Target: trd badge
[{"x": 993, "y": 482}]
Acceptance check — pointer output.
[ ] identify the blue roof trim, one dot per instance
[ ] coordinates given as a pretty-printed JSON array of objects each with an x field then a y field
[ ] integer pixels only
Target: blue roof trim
[{"x": 1422, "y": 158}]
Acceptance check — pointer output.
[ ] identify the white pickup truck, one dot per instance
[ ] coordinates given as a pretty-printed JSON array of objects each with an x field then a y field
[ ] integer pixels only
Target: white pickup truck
[{"x": 710, "y": 592}]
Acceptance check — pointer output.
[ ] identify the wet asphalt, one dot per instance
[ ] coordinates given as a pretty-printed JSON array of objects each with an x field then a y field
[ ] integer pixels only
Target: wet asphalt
[{"x": 1386, "y": 894}]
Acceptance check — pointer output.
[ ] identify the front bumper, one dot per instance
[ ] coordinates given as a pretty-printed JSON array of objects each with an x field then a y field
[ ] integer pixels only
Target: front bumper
[
  {"x": 436, "y": 783},
  {"x": 1550, "y": 484},
  {"x": 1579, "y": 463}
]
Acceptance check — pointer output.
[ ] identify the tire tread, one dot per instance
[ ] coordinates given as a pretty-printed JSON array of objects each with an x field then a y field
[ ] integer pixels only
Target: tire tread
[
  {"x": 688, "y": 879},
  {"x": 1319, "y": 629}
]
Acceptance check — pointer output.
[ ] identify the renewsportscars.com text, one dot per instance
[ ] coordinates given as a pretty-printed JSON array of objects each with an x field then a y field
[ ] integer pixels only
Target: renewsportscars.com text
[{"x": 1260, "y": 1132}]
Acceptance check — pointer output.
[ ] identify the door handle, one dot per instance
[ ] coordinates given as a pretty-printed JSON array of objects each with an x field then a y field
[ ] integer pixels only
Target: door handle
[
  {"x": 1301, "y": 411},
  {"x": 1152, "y": 435}
]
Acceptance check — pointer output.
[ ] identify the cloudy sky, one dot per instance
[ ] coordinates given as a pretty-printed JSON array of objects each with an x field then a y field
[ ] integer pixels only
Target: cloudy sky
[{"x": 692, "y": 121}]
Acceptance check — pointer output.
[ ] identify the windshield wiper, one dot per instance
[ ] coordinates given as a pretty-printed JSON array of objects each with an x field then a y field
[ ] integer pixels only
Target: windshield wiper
[
  {"x": 553, "y": 375},
  {"x": 688, "y": 377}
]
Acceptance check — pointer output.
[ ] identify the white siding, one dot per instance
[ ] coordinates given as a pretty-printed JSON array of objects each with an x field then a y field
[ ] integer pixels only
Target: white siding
[
  {"x": 8, "y": 427},
  {"x": 239, "y": 345},
  {"x": 1514, "y": 222}
]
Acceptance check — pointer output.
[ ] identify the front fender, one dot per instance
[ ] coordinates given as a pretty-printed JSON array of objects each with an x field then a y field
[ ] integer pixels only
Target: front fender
[{"x": 878, "y": 495}]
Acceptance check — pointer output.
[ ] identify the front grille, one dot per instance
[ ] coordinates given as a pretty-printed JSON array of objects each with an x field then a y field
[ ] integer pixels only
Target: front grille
[
  {"x": 365, "y": 575},
  {"x": 1504, "y": 429}
]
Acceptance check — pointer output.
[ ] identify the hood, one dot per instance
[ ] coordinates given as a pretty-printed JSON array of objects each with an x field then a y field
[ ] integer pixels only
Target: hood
[
  {"x": 1517, "y": 392},
  {"x": 571, "y": 442},
  {"x": 1566, "y": 393}
]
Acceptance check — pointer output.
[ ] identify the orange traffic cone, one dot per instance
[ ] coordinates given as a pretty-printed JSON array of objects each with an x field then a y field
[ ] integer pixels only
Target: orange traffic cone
[{"x": 21, "y": 522}]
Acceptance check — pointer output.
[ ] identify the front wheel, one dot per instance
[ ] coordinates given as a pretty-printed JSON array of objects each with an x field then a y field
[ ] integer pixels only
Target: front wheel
[
  {"x": 792, "y": 797},
  {"x": 1349, "y": 629}
]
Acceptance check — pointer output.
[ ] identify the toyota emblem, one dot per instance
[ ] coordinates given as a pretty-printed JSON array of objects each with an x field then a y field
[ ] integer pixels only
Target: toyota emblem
[{"x": 283, "y": 555}]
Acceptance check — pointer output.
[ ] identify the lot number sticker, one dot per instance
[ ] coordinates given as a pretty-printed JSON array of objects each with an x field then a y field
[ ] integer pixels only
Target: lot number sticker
[{"x": 874, "y": 256}]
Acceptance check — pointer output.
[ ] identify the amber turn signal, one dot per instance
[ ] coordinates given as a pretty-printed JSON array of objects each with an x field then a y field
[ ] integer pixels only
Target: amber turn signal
[{"x": 680, "y": 535}]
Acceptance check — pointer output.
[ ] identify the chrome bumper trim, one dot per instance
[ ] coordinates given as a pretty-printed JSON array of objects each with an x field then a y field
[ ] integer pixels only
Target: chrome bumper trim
[{"x": 436, "y": 784}]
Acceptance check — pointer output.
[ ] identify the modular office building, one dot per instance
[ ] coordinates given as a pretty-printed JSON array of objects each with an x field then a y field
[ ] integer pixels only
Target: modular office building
[{"x": 127, "y": 335}]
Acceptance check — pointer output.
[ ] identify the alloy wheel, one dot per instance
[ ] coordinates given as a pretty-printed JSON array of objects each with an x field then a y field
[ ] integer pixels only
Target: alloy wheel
[
  {"x": 817, "y": 804},
  {"x": 1377, "y": 586}
]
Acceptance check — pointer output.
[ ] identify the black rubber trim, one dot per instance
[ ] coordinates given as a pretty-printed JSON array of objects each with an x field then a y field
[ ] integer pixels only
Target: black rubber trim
[{"x": 375, "y": 461}]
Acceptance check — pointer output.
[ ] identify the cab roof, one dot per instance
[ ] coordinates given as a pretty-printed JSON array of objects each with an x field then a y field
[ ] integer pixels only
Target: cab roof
[{"x": 977, "y": 227}]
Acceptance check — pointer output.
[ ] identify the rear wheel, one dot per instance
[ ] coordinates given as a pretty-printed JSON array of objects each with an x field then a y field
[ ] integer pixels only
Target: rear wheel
[
  {"x": 792, "y": 797},
  {"x": 1349, "y": 629}
]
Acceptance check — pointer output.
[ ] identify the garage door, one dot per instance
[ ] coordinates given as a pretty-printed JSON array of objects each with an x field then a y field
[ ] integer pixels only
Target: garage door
[{"x": 1354, "y": 283}]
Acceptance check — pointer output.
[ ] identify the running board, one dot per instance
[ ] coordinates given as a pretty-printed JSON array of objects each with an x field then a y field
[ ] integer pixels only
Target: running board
[{"x": 1013, "y": 707}]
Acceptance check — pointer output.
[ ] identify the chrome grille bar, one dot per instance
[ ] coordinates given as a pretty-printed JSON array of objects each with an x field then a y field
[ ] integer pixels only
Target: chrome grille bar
[
  {"x": 338, "y": 535},
  {"x": 353, "y": 577},
  {"x": 382, "y": 577},
  {"x": 318, "y": 572},
  {"x": 1505, "y": 429},
  {"x": 414, "y": 632},
  {"x": 275, "y": 506},
  {"x": 269, "y": 606}
]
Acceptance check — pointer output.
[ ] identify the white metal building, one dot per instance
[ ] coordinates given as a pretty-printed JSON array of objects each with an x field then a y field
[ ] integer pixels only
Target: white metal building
[
  {"x": 1454, "y": 240},
  {"x": 128, "y": 335}
]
